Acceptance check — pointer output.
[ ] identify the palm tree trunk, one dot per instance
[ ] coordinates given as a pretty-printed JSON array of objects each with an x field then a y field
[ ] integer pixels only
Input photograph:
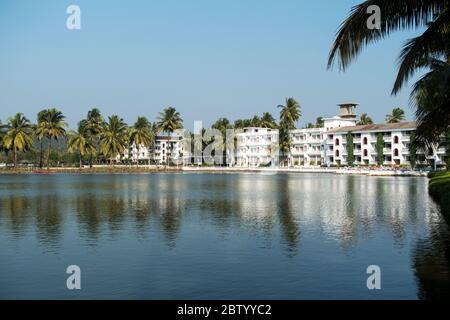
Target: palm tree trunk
[{"x": 48, "y": 154}]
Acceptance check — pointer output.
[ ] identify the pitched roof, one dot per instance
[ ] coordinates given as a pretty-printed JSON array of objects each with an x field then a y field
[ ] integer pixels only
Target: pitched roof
[{"x": 376, "y": 127}]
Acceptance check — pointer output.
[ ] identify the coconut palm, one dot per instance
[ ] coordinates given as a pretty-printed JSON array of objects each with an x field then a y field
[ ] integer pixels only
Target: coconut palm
[
  {"x": 397, "y": 115},
  {"x": 364, "y": 120},
  {"x": 434, "y": 42},
  {"x": 268, "y": 121},
  {"x": 169, "y": 120},
  {"x": 19, "y": 136},
  {"x": 94, "y": 124},
  {"x": 81, "y": 141},
  {"x": 431, "y": 97},
  {"x": 113, "y": 138},
  {"x": 40, "y": 134},
  {"x": 290, "y": 113},
  {"x": 52, "y": 127},
  {"x": 141, "y": 133}
]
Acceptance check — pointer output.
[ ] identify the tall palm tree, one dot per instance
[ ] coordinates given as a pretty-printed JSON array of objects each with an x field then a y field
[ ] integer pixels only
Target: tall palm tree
[
  {"x": 19, "y": 136},
  {"x": 434, "y": 42},
  {"x": 141, "y": 133},
  {"x": 397, "y": 115},
  {"x": 169, "y": 120},
  {"x": 364, "y": 120},
  {"x": 81, "y": 142},
  {"x": 40, "y": 134},
  {"x": 113, "y": 138},
  {"x": 290, "y": 113},
  {"x": 268, "y": 121},
  {"x": 53, "y": 127},
  {"x": 95, "y": 124}
]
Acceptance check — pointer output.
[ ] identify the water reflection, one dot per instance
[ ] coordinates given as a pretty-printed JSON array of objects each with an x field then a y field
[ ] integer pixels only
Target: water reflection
[{"x": 278, "y": 211}]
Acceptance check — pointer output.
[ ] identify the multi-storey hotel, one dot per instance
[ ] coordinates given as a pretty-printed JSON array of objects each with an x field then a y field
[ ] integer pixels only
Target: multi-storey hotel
[
  {"x": 327, "y": 145},
  {"x": 256, "y": 147},
  {"x": 166, "y": 150}
]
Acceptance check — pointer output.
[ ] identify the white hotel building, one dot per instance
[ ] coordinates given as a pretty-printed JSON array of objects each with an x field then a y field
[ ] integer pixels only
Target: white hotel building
[
  {"x": 327, "y": 145},
  {"x": 166, "y": 149}
]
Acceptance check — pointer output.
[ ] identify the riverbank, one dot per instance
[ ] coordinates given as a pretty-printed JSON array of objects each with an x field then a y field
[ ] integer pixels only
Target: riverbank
[
  {"x": 218, "y": 170},
  {"x": 439, "y": 189}
]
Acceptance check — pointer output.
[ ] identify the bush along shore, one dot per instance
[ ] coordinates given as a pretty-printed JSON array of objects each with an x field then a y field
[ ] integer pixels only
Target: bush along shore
[{"x": 440, "y": 191}]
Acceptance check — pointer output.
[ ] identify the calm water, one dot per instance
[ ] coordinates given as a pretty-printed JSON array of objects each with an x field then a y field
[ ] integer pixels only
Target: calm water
[{"x": 198, "y": 236}]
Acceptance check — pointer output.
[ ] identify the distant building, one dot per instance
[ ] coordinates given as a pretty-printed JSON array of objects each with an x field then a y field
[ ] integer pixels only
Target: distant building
[
  {"x": 165, "y": 150},
  {"x": 327, "y": 145},
  {"x": 256, "y": 147}
]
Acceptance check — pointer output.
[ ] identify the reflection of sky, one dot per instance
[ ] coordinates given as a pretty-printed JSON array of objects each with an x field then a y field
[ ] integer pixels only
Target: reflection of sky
[{"x": 309, "y": 225}]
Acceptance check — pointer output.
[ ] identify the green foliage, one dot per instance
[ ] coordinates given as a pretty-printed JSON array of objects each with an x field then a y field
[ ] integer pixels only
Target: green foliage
[
  {"x": 439, "y": 189},
  {"x": 397, "y": 115},
  {"x": 379, "y": 146},
  {"x": 413, "y": 150},
  {"x": 364, "y": 120},
  {"x": 350, "y": 149}
]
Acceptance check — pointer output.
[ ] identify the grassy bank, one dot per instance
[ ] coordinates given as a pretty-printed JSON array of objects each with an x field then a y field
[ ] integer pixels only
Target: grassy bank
[{"x": 440, "y": 190}]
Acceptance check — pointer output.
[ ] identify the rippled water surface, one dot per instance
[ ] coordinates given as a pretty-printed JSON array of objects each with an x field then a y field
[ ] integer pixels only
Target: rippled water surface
[{"x": 222, "y": 236}]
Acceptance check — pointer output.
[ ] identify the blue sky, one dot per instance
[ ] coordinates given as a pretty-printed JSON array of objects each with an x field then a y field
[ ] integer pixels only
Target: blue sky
[{"x": 207, "y": 58}]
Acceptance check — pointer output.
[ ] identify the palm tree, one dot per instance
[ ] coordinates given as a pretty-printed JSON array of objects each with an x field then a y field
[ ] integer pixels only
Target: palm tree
[
  {"x": 95, "y": 124},
  {"x": 433, "y": 43},
  {"x": 268, "y": 121},
  {"x": 141, "y": 134},
  {"x": 53, "y": 128},
  {"x": 81, "y": 141},
  {"x": 113, "y": 138},
  {"x": 169, "y": 120},
  {"x": 364, "y": 120},
  {"x": 431, "y": 97},
  {"x": 396, "y": 116},
  {"x": 290, "y": 113},
  {"x": 319, "y": 122},
  {"x": 19, "y": 136},
  {"x": 40, "y": 134}
]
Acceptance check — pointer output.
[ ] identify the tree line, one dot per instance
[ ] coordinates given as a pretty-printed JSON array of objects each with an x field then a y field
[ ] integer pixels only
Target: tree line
[{"x": 104, "y": 140}]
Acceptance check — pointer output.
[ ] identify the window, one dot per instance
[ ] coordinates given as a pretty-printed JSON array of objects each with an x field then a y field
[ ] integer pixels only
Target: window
[
  {"x": 396, "y": 139},
  {"x": 396, "y": 153},
  {"x": 337, "y": 153},
  {"x": 365, "y": 140},
  {"x": 365, "y": 152},
  {"x": 337, "y": 142}
]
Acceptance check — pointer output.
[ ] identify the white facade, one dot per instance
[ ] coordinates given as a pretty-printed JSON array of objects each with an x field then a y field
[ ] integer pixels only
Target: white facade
[
  {"x": 396, "y": 142},
  {"x": 257, "y": 147},
  {"x": 327, "y": 145},
  {"x": 166, "y": 149},
  {"x": 306, "y": 147},
  {"x": 169, "y": 149}
]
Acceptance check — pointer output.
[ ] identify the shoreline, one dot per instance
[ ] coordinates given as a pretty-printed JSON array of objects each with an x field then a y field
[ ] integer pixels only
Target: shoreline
[{"x": 216, "y": 170}]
